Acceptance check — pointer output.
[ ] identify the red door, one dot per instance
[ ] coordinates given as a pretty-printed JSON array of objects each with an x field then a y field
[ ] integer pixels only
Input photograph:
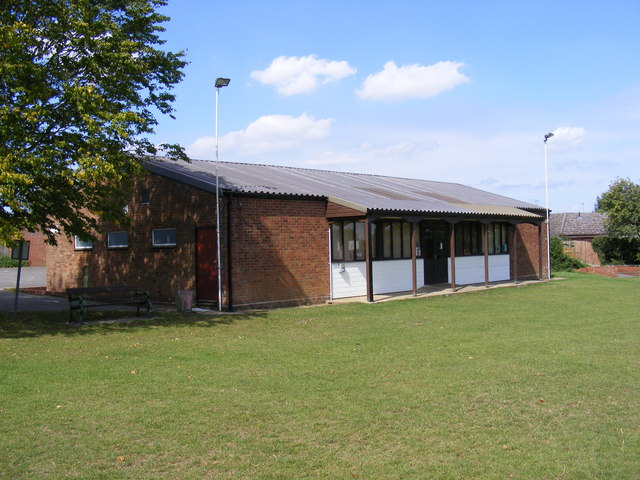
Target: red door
[{"x": 206, "y": 264}]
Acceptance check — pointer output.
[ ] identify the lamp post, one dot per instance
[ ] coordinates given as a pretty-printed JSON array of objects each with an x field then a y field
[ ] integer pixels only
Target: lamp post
[
  {"x": 220, "y": 82},
  {"x": 546, "y": 194}
]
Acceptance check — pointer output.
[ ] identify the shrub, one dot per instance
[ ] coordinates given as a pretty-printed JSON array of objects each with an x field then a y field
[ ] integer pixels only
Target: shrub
[
  {"x": 560, "y": 261},
  {"x": 617, "y": 251},
  {"x": 8, "y": 262}
]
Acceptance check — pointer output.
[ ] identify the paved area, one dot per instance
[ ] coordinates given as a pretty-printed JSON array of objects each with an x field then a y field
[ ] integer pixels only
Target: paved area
[
  {"x": 29, "y": 277},
  {"x": 36, "y": 277},
  {"x": 31, "y": 303}
]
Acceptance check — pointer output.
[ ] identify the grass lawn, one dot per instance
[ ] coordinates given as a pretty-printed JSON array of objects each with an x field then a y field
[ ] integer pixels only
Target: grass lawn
[{"x": 536, "y": 382}]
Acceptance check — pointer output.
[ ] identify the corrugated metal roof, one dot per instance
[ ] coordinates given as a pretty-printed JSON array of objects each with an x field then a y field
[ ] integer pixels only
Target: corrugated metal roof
[
  {"x": 372, "y": 192},
  {"x": 499, "y": 210}
]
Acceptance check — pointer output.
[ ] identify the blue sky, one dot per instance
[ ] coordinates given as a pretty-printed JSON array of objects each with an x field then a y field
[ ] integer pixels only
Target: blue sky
[{"x": 457, "y": 91}]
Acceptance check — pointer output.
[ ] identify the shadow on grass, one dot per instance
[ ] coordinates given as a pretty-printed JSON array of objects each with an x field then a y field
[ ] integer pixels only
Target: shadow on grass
[{"x": 36, "y": 324}]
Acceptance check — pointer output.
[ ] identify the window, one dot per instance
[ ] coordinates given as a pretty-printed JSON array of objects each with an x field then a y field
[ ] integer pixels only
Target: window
[
  {"x": 361, "y": 233},
  {"x": 80, "y": 244},
  {"x": 337, "y": 241},
  {"x": 395, "y": 241},
  {"x": 118, "y": 239},
  {"x": 144, "y": 196},
  {"x": 469, "y": 240},
  {"x": 164, "y": 237},
  {"x": 349, "y": 236},
  {"x": 347, "y": 241},
  {"x": 406, "y": 240},
  {"x": 498, "y": 238}
]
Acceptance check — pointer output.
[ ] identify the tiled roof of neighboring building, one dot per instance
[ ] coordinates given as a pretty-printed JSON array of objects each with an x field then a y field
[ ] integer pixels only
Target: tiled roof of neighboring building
[
  {"x": 577, "y": 224},
  {"x": 363, "y": 191}
]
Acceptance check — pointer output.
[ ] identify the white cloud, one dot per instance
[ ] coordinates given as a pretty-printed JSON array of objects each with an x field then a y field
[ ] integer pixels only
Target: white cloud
[
  {"x": 269, "y": 133},
  {"x": 203, "y": 148},
  {"x": 296, "y": 75},
  {"x": 412, "y": 81},
  {"x": 566, "y": 137}
]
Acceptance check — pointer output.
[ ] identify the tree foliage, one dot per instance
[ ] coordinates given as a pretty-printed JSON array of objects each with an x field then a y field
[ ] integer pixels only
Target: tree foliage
[
  {"x": 81, "y": 82},
  {"x": 621, "y": 203},
  {"x": 617, "y": 251},
  {"x": 560, "y": 261}
]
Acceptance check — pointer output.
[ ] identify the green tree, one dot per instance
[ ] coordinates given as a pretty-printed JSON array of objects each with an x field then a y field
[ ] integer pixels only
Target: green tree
[
  {"x": 621, "y": 203},
  {"x": 81, "y": 83}
]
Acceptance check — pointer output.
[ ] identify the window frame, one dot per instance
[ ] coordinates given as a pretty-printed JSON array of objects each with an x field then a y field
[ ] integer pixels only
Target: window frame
[
  {"x": 117, "y": 246},
  {"x": 351, "y": 249},
  {"x": 500, "y": 238},
  {"x": 470, "y": 238},
  {"x": 78, "y": 244},
  {"x": 164, "y": 245},
  {"x": 394, "y": 240},
  {"x": 145, "y": 198}
]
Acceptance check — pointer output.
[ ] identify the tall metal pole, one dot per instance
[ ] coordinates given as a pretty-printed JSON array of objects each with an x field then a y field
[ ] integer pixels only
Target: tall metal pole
[
  {"x": 218, "y": 253},
  {"x": 220, "y": 82},
  {"x": 546, "y": 194}
]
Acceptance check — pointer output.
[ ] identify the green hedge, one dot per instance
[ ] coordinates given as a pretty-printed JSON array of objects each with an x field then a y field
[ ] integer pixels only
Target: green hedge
[
  {"x": 560, "y": 261},
  {"x": 8, "y": 262}
]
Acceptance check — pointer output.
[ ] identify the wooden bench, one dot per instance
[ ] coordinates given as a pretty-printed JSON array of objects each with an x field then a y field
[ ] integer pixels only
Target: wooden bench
[{"x": 80, "y": 299}]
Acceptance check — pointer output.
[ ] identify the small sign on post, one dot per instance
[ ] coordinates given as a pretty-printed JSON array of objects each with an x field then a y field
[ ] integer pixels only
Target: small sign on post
[{"x": 20, "y": 251}]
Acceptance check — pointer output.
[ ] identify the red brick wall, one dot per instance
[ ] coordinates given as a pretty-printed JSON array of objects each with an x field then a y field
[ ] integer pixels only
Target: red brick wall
[
  {"x": 612, "y": 270},
  {"x": 279, "y": 248},
  {"x": 160, "y": 270},
  {"x": 527, "y": 253},
  {"x": 280, "y": 251},
  {"x": 37, "y": 250}
]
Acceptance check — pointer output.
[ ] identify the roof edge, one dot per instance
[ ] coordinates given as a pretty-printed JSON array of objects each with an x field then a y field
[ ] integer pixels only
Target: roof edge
[{"x": 347, "y": 203}]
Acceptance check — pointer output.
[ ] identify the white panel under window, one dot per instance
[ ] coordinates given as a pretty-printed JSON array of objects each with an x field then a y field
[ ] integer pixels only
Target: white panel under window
[
  {"x": 349, "y": 281},
  {"x": 391, "y": 276},
  {"x": 470, "y": 270},
  {"x": 388, "y": 276},
  {"x": 118, "y": 239},
  {"x": 164, "y": 237},
  {"x": 80, "y": 244}
]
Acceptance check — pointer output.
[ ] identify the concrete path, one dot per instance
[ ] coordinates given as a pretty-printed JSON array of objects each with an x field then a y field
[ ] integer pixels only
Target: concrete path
[
  {"x": 31, "y": 303},
  {"x": 29, "y": 277}
]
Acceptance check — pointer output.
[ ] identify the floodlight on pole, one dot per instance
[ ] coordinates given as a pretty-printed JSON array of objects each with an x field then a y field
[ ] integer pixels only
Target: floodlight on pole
[
  {"x": 546, "y": 195},
  {"x": 220, "y": 82}
]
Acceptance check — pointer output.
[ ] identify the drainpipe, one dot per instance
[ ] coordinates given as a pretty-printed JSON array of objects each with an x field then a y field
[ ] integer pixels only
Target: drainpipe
[
  {"x": 229, "y": 263},
  {"x": 330, "y": 265}
]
